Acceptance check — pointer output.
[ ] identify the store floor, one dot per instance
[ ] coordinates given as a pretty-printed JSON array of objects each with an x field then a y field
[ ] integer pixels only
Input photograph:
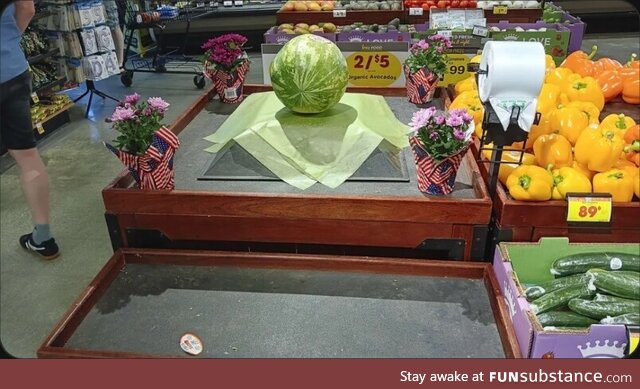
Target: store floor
[{"x": 34, "y": 293}]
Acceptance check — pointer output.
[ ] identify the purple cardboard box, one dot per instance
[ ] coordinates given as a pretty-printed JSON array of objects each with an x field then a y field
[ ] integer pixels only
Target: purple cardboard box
[
  {"x": 392, "y": 36},
  {"x": 533, "y": 260},
  {"x": 274, "y": 36},
  {"x": 577, "y": 28}
]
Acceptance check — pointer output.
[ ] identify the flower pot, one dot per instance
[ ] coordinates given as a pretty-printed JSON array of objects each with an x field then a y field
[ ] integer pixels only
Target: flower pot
[
  {"x": 435, "y": 177},
  {"x": 228, "y": 85},
  {"x": 153, "y": 169},
  {"x": 420, "y": 85}
]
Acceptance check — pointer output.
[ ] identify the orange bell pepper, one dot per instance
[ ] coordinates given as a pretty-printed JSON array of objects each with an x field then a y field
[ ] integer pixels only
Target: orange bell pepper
[
  {"x": 553, "y": 151},
  {"x": 537, "y": 130},
  {"x": 631, "y": 91},
  {"x": 632, "y": 144},
  {"x": 627, "y": 166},
  {"x": 633, "y": 62},
  {"x": 628, "y": 73},
  {"x": 620, "y": 123},
  {"x": 580, "y": 62},
  {"x": 609, "y": 64},
  {"x": 610, "y": 82},
  {"x": 568, "y": 122},
  {"x": 586, "y": 89}
]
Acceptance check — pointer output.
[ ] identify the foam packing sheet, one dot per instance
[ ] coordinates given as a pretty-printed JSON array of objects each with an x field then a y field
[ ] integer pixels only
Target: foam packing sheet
[{"x": 304, "y": 149}]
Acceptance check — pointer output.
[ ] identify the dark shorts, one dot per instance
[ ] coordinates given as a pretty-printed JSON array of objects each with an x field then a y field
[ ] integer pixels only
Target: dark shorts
[{"x": 16, "y": 128}]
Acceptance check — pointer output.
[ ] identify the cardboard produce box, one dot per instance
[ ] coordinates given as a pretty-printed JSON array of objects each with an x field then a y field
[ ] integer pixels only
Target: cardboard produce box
[
  {"x": 273, "y": 35},
  {"x": 555, "y": 39},
  {"x": 520, "y": 264}
]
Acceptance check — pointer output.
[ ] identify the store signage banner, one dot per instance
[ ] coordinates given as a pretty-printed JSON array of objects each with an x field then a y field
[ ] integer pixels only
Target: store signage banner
[{"x": 371, "y": 64}]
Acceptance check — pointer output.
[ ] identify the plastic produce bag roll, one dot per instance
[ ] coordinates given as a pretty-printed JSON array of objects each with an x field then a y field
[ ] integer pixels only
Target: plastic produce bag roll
[{"x": 515, "y": 74}]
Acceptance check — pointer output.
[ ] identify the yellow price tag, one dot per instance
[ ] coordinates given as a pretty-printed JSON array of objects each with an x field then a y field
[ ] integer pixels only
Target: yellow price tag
[
  {"x": 593, "y": 208},
  {"x": 39, "y": 128},
  {"x": 373, "y": 68},
  {"x": 456, "y": 68},
  {"x": 500, "y": 9}
]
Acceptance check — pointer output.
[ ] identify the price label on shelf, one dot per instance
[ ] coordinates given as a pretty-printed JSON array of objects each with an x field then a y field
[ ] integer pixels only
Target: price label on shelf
[
  {"x": 589, "y": 208},
  {"x": 227, "y": 3},
  {"x": 238, "y": 3},
  {"x": 35, "y": 98},
  {"x": 456, "y": 68},
  {"x": 39, "y": 128},
  {"x": 416, "y": 11},
  {"x": 200, "y": 4},
  {"x": 339, "y": 13},
  {"x": 500, "y": 9}
]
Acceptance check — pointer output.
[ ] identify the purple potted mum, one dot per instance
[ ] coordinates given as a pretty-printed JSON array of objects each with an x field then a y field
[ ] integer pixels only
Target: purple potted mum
[{"x": 226, "y": 64}]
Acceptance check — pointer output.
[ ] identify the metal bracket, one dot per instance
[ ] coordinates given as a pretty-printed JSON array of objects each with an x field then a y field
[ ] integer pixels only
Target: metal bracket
[
  {"x": 114, "y": 231},
  {"x": 147, "y": 238},
  {"x": 444, "y": 248},
  {"x": 479, "y": 243}
]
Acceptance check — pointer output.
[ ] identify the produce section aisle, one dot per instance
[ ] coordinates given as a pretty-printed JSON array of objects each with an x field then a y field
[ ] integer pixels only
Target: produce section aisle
[{"x": 80, "y": 167}]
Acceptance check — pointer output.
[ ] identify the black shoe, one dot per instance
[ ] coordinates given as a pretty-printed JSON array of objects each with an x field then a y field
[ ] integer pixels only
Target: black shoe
[{"x": 47, "y": 249}]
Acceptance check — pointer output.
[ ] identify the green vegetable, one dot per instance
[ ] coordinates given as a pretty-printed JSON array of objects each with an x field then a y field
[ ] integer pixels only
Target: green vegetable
[
  {"x": 580, "y": 263},
  {"x": 560, "y": 297},
  {"x": 601, "y": 298},
  {"x": 624, "y": 284},
  {"x": 565, "y": 319},
  {"x": 627, "y": 318},
  {"x": 601, "y": 309},
  {"x": 535, "y": 291}
]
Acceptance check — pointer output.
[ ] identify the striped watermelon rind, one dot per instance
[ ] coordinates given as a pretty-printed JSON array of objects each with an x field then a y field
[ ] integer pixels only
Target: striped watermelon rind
[{"x": 309, "y": 74}]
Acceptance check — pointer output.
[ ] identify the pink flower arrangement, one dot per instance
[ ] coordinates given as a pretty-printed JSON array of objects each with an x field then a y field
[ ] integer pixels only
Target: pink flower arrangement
[
  {"x": 137, "y": 121},
  {"x": 442, "y": 134},
  {"x": 226, "y": 52},
  {"x": 429, "y": 54}
]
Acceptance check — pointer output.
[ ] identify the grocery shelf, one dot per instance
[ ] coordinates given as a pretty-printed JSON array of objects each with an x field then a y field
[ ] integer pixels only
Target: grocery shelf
[
  {"x": 53, "y": 115},
  {"x": 40, "y": 57},
  {"x": 48, "y": 86}
]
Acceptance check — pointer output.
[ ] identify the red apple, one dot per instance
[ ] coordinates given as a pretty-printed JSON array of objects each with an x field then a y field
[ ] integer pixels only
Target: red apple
[
  {"x": 441, "y": 4},
  {"x": 455, "y": 4},
  {"x": 464, "y": 4},
  {"x": 472, "y": 4}
]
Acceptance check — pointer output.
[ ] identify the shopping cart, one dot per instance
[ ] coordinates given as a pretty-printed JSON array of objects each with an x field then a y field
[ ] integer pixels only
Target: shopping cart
[{"x": 141, "y": 15}]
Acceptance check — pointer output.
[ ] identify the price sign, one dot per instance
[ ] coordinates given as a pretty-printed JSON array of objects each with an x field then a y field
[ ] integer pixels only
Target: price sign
[
  {"x": 35, "y": 98},
  {"x": 339, "y": 13},
  {"x": 200, "y": 4},
  {"x": 456, "y": 68},
  {"x": 500, "y": 9},
  {"x": 589, "y": 208},
  {"x": 238, "y": 3},
  {"x": 416, "y": 11},
  {"x": 228, "y": 3},
  {"x": 39, "y": 128}
]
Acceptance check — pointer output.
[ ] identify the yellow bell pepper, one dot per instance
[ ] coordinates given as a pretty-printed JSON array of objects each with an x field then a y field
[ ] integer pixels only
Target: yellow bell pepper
[
  {"x": 509, "y": 156},
  {"x": 568, "y": 122},
  {"x": 619, "y": 122},
  {"x": 553, "y": 151},
  {"x": 530, "y": 183},
  {"x": 470, "y": 101},
  {"x": 559, "y": 76},
  {"x": 549, "y": 64},
  {"x": 537, "y": 130},
  {"x": 598, "y": 148},
  {"x": 636, "y": 188},
  {"x": 465, "y": 85},
  {"x": 567, "y": 180},
  {"x": 582, "y": 169},
  {"x": 617, "y": 182},
  {"x": 585, "y": 89},
  {"x": 548, "y": 98},
  {"x": 628, "y": 167},
  {"x": 589, "y": 109}
]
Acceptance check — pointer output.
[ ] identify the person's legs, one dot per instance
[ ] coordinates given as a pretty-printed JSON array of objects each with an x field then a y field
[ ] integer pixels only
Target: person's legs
[
  {"x": 118, "y": 41},
  {"x": 17, "y": 134},
  {"x": 113, "y": 21}
]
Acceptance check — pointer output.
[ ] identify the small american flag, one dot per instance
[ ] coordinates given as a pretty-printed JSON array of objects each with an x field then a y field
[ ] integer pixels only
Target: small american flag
[
  {"x": 229, "y": 85},
  {"x": 153, "y": 169},
  {"x": 420, "y": 85},
  {"x": 435, "y": 178}
]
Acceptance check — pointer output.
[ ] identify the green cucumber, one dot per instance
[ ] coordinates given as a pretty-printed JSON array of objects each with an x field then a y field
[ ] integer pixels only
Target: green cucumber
[
  {"x": 580, "y": 263},
  {"x": 565, "y": 319},
  {"x": 536, "y": 291},
  {"x": 608, "y": 298},
  {"x": 563, "y": 329},
  {"x": 625, "y": 284},
  {"x": 560, "y": 297},
  {"x": 627, "y": 318},
  {"x": 601, "y": 309}
]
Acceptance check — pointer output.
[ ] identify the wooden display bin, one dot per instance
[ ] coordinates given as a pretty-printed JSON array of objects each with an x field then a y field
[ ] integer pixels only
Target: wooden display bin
[
  {"x": 315, "y": 17},
  {"x": 232, "y": 303},
  {"x": 521, "y": 221},
  {"x": 344, "y": 221}
]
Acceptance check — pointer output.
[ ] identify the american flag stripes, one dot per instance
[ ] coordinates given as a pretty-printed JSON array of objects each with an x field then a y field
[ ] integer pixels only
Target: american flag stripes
[
  {"x": 420, "y": 85},
  {"x": 435, "y": 178},
  {"x": 228, "y": 85},
  {"x": 153, "y": 169}
]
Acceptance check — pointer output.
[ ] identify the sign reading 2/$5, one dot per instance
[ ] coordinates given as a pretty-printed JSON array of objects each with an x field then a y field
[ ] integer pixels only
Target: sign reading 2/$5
[{"x": 371, "y": 64}]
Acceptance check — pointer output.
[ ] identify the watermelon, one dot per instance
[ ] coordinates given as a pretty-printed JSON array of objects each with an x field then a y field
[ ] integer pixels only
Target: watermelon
[{"x": 309, "y": 74}]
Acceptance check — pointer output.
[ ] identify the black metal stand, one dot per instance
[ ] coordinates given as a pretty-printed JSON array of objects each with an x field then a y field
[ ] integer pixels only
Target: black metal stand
[{"x": 91, "y": 90}]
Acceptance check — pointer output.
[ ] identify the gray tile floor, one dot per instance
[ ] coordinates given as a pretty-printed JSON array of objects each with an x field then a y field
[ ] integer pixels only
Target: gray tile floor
[{"x": 34, "y": 293}]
